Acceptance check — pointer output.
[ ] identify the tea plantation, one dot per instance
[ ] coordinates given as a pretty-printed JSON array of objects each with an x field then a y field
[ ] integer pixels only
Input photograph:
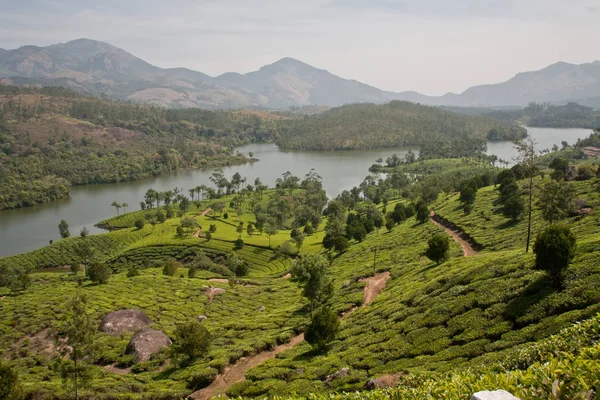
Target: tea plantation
[{"x": 443, "y": 330}]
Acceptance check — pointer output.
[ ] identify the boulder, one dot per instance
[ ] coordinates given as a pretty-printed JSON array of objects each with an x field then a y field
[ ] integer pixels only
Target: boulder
[
  {"x": 261, "y": 308},
  {"x": 121, "y": 321},
  {"x": 339, "y": 374},
  {"x": 146, "y": 342},
  {"x": 202, "y": 318},
  {"x": 493, "y": 395},
  {"x": 383, "y": 382}
]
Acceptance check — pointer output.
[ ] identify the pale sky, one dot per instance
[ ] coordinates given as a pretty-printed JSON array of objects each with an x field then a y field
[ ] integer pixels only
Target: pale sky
[{"x": 430, "y": 46}]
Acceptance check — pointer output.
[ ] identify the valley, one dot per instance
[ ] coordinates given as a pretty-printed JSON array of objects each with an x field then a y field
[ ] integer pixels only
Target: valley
[{"x": 403, "y": 318}]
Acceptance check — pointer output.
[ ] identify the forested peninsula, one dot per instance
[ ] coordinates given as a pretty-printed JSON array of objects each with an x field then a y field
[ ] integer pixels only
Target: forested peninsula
[{"x": 398, "y": 123}]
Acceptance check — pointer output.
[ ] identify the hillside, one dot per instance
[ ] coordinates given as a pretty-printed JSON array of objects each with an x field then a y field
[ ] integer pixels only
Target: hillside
[
  {"x": 478, "y": 319},
  {"x": 53, "y": 138},
  {"x": 367, "y": 126},
  {"x": 100, "y": 68}
]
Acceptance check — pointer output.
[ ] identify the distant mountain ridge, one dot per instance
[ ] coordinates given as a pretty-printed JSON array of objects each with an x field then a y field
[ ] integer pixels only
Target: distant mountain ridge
[{"x": 98, "y": 67}]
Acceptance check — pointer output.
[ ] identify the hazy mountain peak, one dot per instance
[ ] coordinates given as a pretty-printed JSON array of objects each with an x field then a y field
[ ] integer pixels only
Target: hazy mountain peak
[{"x": 100, "y": 67}]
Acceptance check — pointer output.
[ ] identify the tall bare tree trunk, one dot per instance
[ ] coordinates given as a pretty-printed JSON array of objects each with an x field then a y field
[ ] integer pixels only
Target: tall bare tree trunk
[{"x": 530, "y": 206}]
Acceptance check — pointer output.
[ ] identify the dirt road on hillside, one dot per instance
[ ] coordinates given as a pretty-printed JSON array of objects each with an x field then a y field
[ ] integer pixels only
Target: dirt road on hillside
[
  {"x": 468, "y": 250},
  {"x": 236, "y": 372}
]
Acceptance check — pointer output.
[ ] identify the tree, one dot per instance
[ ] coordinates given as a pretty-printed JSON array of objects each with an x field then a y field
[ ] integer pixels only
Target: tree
[
  {"x": 341, "y": 244},
  {"x": 84, "y": 232},
  {"x": 63, "y": 229},
  {"x": 554, "y": 249},
  {"x": 527, "y": 158},
  {"x": 270, "y": 230},
  {"x": 513, "y": 207},
  {"x": 160, "y": 216},
  {"x": 309, "y": 272},
  {"x": 78, "y": 331},
  {"x": 299, "y": 240},
  {"x": 238, "y": 244},
  {"x": 323, "y": 328},
  {"x": 117, "y": 206},
  {"x": 422, "y": 211},
  {"x": 250, "y": 230},
  {"x": 389, "y": 224},
  {"x": 10, "y": 388},
  {"x": 99, "y": 273},
  {"x": 191, "y": 340},
  {"x": 139, "y": 223},
  {"x": 439, "y": 245},
  {"x": 559, "y": 165},
  {"x": 170, "y": 268},
  {"x": 240, "y": 229},
  {"x": 180, "y": 231},
  {"x": 125, "y": 205},
  {"x": 84, "y": 251},
  {"x": 237, "y": 265},
  {"x": 557, "y": 200}
]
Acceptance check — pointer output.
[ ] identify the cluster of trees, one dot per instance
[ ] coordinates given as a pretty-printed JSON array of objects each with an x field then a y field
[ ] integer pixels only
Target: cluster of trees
[
  {"x": 570, "y": 115},
  {"x": 510, "y": 196},
  {"x": 226, "y": 266},
  {"x": 368, "y": 126},
  {"x": 310, "y": 272}
]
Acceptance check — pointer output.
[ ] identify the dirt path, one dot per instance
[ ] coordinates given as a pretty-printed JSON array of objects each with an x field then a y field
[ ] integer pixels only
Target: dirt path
[
  {"x": 208, "y": 209},
  {"x": 219, "y": 280},
  {"x": 197, "y": 233},
  {"x": 236, "y": 372},
  {"x": 468, "y": 250}
]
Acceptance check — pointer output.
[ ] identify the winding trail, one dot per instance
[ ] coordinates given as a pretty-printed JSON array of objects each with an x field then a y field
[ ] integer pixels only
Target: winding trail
[
  {"x": 206, "y": 211},
  {"x": 468, "y": 250},
  {"x": 236, "y": 372}
]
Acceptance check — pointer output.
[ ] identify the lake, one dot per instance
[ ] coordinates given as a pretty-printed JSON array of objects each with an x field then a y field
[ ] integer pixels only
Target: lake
[{"x": 30, "y": 228}]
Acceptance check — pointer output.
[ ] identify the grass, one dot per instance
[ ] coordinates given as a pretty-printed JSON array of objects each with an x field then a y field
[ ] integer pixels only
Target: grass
[
  {"x": 439, "y": 319},
  {"x": 237, "y": 326},
  {"x": 472, "y": 323}
]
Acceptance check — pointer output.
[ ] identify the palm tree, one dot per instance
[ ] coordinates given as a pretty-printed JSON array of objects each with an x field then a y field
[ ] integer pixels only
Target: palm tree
[
  {"x": 192, "y": 191},
  {"x": 116, "y": 205},
  {"x": 124, "y": 205}
]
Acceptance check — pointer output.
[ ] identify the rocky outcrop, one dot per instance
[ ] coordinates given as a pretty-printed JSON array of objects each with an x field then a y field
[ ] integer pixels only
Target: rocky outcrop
[
  {"x": 122, "y": 321},
  {"x": 493, "y": 395},
  {"x": 383, "y": 382},
  {"x": 339, "y": 374},
  {"x": 146, "y": 342}
]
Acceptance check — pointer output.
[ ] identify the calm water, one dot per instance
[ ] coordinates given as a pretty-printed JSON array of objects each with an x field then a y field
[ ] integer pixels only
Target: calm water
[{"x": 30, "y": 228}]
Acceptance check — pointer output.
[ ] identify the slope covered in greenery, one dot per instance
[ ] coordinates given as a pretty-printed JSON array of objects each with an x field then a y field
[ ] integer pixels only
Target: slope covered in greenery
[
  {"x": 443, "y": 329},
  {"x": 369, "y": 126},
  {"x": 52, "y": 138}
]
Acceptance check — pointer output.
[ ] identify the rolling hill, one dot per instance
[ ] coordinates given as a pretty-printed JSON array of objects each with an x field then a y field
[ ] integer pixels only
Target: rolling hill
[{"x": 100, "y": 68}]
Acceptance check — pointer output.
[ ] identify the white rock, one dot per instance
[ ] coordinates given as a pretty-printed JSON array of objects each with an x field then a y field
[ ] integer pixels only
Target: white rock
[{"x": 495, "y": 395}]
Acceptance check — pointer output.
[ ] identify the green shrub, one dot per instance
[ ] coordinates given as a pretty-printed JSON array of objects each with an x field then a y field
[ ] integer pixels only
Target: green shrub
[
  {"x": 139, "y": 223},
  {"x": 323, "y": 328},
  {"x": 439, "y": 245},
  {"x": 171, "y": 267},
  {"x": 191, "y": 340},
  {"x": 554, "y": 249}
]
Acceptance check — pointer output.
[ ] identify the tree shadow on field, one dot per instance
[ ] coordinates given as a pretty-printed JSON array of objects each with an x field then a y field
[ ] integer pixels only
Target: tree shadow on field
[
  {"x": 534, "y": 293},
  {"x": 508, "y": 224}
]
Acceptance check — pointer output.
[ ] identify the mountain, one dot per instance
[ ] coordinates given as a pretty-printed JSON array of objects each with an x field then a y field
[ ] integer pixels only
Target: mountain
[
  {"x": 97, "y": 67},
  {"x": 559, "y": 82}
]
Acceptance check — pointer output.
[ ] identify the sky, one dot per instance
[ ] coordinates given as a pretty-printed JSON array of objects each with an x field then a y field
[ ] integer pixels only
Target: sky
[{"x": 430, "y": 46}]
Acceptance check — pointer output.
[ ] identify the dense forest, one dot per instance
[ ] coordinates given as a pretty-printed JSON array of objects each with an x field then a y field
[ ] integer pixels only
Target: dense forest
[
  {"x": 369, "y": 126},
  {"x": 571, "y": 115},
  {"x": 52, "y": 138}
]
